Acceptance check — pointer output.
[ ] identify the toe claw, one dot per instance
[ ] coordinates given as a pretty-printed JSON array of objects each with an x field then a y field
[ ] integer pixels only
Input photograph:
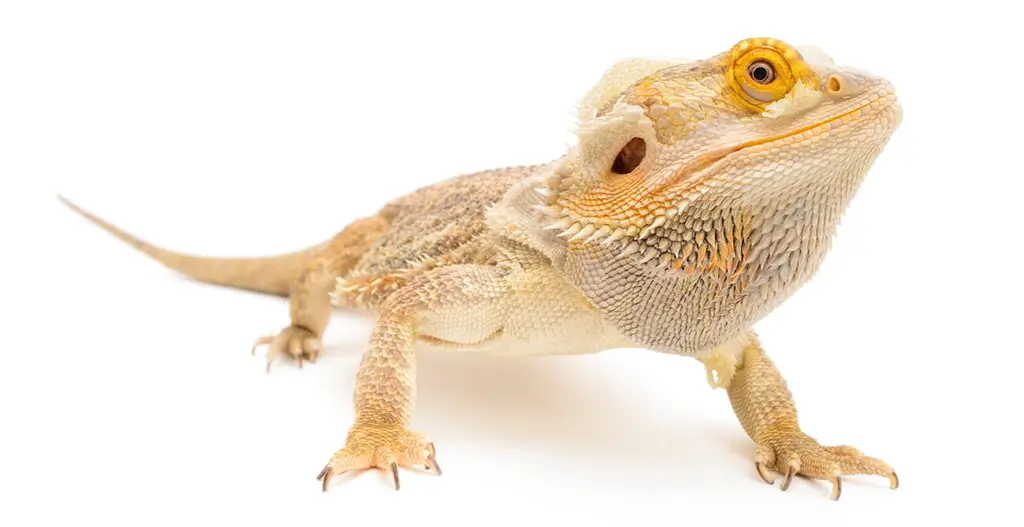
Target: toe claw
[
  {"x": 394, "y": 471},
  {"x": 802, "y": 455},
  {"x": 327, "y": 479},
  {"x": 763, "y": 472},
  {"x": 788, "y": 478},
  {"x": 325, "y": 476},
  {"x": 837, "y": 487},
  {"x": 433, "y": 464}
]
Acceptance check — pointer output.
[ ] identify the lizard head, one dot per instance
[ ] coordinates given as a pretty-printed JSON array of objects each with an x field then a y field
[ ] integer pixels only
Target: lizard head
[
  {"x": 721, "y": 178},
  {"x": 761, "y": 122}
]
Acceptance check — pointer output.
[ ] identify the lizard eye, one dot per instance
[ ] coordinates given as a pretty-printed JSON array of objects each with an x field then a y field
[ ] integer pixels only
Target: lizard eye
[{"x": 762, "y": 72}]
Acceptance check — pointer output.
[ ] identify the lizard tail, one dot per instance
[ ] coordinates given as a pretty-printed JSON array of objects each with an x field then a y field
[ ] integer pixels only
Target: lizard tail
[{"x": 272, "y": 274}]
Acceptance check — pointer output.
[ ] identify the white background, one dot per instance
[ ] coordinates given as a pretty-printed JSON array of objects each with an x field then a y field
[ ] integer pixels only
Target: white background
[{"x": 251, "y": 128}]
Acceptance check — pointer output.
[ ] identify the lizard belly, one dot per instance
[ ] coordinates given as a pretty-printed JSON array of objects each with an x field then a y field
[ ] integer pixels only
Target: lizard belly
[{"x": 541, "y": 314}]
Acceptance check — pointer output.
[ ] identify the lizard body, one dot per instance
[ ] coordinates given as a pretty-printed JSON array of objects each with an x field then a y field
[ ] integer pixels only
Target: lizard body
[{"x": 699, "y": 197}]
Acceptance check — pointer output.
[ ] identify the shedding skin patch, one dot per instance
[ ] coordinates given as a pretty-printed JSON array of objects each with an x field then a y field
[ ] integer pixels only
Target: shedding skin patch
[
  {"x": 616, "y": 79},
  {"x": 799, "y": 98},
  {"x": 721, "y": 363}
]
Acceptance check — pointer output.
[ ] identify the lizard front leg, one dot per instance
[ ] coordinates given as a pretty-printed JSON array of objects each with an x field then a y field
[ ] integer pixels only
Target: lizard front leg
[
  {"x": 459, "y": 305},
  {"x": 764, "y": 406},
  {"x": 309, "y": 302}
]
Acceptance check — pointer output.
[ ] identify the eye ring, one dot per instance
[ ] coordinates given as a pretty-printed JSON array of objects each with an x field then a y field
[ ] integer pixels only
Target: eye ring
[{"x": 761, "y": 72}]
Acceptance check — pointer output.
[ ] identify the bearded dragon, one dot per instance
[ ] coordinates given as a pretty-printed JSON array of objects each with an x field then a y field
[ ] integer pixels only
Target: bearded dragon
[{"x": 699, "y": 196}]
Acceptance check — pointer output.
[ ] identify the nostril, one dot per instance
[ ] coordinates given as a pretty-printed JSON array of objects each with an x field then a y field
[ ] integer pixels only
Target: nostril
[{"x": 834, "y": 84}]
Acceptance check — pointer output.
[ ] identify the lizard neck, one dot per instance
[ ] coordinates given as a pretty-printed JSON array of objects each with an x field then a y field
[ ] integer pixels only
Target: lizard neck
[
  {"x": 719, "y": 266},
  {"x": 709, "y": 274}
]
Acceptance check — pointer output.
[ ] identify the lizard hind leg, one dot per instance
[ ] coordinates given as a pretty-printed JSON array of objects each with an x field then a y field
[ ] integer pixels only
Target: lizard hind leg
[{"x": 309, "y": 299}]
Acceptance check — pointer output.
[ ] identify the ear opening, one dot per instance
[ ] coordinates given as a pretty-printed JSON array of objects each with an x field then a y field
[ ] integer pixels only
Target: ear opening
[{"x": 630, "y": 157}]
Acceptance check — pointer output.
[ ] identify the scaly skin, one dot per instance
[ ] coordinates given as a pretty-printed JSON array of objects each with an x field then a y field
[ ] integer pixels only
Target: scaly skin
[{"x": 700, "y": 196}]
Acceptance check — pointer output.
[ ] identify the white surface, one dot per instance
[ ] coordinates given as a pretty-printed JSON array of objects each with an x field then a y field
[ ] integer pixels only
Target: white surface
[{"x": 244, "y": 128}]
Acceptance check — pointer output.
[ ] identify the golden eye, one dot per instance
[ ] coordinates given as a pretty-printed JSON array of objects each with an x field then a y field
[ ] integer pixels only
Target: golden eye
[{"x": 762, "y": 72}]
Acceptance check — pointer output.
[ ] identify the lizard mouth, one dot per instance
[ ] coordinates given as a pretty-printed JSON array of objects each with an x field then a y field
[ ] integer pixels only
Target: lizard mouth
[
  {"x": 874, "y": 105},
  {"x": 877, "y": 102}
]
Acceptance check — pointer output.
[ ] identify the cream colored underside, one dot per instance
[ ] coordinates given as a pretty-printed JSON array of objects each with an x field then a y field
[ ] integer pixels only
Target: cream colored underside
[{"x": 539, "y": 314}]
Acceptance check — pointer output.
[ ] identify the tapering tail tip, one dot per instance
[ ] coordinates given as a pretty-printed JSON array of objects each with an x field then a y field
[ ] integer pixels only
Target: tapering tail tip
[
  {"x": 272, "y": 274},
  {"x": 65, "y": 201},
  {"x": 82, "y": 212},
  {"x": 120, "y": 234}
]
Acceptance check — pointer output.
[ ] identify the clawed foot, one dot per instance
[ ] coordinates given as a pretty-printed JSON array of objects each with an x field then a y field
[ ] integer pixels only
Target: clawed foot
[
  {"x": 293, "y": 341},
  {"x": 382, "y": 447},
  {"x": 791, "y": 453}
]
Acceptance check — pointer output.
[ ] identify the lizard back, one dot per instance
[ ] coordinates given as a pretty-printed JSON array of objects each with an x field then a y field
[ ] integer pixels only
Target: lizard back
[{"x": 435, "y": 226}]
